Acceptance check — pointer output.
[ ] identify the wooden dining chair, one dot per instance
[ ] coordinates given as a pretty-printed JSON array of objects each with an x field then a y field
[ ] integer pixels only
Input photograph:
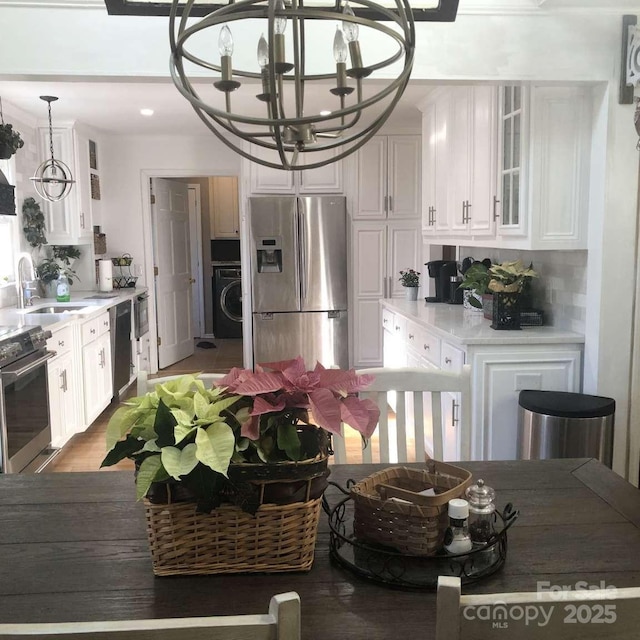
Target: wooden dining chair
[
  {"x": 419, "y": 397},
  {"x": 281, "y": 623},
  {"x": 145, "y": 384},
  {"x": 557, "y": 615}
]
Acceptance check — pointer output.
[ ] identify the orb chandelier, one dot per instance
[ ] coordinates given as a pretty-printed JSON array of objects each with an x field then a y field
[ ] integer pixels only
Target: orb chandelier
[
  {"x": 52, "y": 179},
  {"x": 285, "y": 134}
]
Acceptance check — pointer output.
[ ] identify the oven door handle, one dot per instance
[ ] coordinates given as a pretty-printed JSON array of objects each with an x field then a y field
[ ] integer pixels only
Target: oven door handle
[{"x": 13, "y": 375}]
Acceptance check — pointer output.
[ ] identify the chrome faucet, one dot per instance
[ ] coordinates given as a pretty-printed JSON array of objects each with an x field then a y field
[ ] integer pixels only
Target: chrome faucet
[{"x": 26, "y": 281}]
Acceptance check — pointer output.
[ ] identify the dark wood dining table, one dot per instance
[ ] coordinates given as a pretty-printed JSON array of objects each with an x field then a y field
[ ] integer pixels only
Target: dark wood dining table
[{"x": 73, "y": 547}]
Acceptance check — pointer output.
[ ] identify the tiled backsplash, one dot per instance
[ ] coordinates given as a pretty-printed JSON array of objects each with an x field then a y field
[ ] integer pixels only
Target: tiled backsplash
[{"x": 561, "y": 289}]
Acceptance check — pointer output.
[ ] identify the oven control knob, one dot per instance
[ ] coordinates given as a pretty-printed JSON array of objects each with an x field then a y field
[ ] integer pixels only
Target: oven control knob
[
  {"x": 10, "y": 350},
  {"x": 40, "y": 337}
]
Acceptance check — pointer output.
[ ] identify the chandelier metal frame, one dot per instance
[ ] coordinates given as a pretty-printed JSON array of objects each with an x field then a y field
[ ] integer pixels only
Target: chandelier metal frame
[
  {"x": 291, "y": 134},
  {"x": 52, "y": 172}
]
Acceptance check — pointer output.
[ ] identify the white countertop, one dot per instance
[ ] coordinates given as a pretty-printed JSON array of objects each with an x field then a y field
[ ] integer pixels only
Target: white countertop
[
  {"x": 462, "y": 326},
  {"x": 10, "y": 316}
]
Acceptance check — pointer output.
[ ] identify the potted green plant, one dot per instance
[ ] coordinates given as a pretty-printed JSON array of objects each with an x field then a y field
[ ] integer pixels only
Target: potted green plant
[
  {"x": 49, "y": 270},
  {"x": 507, "y": 282},
  {"x": 475, "y": 281},
  {"x": 254, "y": 445},
  {"x": 410, "y": 279},
  {"x": 33, "y": 224},
  {"x": 66, "y": 254},
  {"x": 10, "y": 141}
]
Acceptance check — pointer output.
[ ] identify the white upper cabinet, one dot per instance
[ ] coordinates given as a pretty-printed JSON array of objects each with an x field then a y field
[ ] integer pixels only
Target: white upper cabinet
[
  {"x": 70, "y": 220},
  {"x": 325, "y": 179},
  {"x": 388, "y": 178},
  {"x": 507, "y": 170},
  {"x": 223, "y": 203}
]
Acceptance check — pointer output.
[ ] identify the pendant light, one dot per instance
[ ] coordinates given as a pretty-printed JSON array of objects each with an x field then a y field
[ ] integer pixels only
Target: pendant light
[
  {"x": 288, "y": 132},
  {"x": 52, "y": 179}
]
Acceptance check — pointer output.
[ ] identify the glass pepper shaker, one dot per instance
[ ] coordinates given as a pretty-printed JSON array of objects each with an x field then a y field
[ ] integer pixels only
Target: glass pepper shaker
[{"x": 481, "y": 511}]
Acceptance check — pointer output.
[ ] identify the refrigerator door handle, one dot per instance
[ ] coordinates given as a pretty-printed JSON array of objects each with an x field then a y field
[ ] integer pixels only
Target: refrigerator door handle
[{"x": 302, "y": 231}]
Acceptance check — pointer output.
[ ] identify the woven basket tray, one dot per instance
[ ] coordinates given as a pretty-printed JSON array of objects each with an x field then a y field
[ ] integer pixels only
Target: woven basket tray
[
  {"x": 228, "y": 540},
  {"x": 389, "y": 510}
]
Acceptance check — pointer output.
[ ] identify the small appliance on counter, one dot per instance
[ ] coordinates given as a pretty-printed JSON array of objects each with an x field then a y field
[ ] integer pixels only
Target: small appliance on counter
[{"x": 442, "y": 271}]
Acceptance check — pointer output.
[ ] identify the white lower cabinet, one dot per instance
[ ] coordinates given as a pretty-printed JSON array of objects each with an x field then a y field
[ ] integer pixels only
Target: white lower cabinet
[
  {"x": 63, "y": 393},
  {"x": 498, "y": 373},
  {"x": 96, "y": 367}
]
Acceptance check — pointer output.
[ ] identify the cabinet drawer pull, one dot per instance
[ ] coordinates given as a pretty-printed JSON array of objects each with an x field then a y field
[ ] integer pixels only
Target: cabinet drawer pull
[
  {"x": 61, "y": 343},
  {"x": 496, "y": 215},
  {"x": 447, "y": 360},
  {"x": 427, "y": 347},
  {"x": 397, "y": 328},
  {"x": 411, "y": 336},
  {"x": 92, "y": 331},
  {"x": 385, "y": 321},
  {"x": 455, "y": 418}
]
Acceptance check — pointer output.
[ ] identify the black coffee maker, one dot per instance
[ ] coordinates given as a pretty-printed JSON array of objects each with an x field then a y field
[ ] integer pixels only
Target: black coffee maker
[{"x": 441, "y": 271}]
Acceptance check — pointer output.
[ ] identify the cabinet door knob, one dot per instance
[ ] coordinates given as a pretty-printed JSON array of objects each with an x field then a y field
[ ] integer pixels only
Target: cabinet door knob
[
  {"x": 447, "y": 360},
  {"x": 397, "y": 328},
  {"x": 384, "y": 321},
  {"x": 426, "y": 346},
  {"x": 411, "y": 336},
  {"x": 92, "y": 331}
]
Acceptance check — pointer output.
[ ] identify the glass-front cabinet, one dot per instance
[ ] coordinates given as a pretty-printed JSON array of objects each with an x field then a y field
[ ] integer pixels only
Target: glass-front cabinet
[{"x": 508, "y": 206}]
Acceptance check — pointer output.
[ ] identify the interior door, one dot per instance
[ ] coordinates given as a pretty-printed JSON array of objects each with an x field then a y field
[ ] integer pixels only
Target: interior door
[{"x": 171, "y": 247}]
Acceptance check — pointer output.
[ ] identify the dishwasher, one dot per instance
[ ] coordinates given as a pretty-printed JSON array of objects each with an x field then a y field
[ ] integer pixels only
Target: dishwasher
[{"x": 120, "y": 326}]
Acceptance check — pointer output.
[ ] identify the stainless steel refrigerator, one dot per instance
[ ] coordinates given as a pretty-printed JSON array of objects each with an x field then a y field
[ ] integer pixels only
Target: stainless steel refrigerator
[{"x": 299, "y": 279}]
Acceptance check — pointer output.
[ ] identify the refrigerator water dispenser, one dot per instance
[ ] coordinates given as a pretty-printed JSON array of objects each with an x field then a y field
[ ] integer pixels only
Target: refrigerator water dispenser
[{"x": 269, "y": 258}]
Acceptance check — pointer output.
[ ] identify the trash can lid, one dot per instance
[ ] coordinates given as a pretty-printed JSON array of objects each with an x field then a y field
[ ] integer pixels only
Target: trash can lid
[{"x": 567, "y": 405}]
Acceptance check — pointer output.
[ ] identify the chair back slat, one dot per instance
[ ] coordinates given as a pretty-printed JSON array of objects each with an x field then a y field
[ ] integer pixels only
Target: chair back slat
[
  {"x": 437, "y": 425},
  {"x": 413, "y": 397}
]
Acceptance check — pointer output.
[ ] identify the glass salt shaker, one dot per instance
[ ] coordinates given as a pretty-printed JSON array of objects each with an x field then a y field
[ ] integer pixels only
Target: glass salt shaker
[
  {"x": 456, "y": 538},
  {"x": 481, "y": 511}
]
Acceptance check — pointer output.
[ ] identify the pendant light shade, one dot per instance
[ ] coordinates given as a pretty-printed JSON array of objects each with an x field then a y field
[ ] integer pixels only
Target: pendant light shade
[
  {"x": 52, "y": 179},
  {"x": 297, "y": 57}
]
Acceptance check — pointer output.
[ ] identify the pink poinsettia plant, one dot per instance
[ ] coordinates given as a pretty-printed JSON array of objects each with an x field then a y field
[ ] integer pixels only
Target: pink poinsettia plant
[{"x": 286, "y": 393}]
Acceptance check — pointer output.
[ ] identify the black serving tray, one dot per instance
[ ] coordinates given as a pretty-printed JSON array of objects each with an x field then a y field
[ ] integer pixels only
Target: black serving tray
[{"x": 394, "y": 569}]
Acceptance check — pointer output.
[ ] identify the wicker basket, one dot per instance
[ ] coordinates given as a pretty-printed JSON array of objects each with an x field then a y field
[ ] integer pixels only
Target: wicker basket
[
  {"x": 389, "y": 510},
  {"x": 279, "y": 537}
]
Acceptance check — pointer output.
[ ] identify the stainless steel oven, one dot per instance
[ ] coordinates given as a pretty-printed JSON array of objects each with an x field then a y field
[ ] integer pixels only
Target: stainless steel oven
[
  {"x": 25, "y": 431},
  {"x": 141, "y": 314}
]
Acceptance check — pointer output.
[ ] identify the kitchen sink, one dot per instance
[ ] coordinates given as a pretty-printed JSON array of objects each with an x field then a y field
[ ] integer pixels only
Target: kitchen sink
[{"x": 57, "y": 309}]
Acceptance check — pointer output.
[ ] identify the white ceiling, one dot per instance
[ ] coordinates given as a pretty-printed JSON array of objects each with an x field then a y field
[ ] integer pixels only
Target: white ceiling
[{"x": 114, "y": 107}]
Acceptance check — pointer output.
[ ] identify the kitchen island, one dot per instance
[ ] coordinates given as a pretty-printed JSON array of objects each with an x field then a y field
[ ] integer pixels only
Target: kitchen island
[
  {"x": 74, "y": 548},
  {"x": 443, "y": 336}
]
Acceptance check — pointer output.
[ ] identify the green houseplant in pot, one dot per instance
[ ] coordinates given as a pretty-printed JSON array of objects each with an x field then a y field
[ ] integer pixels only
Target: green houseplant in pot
[
  {"x": 250, "y": 453},
  {"x": 10, "y": 141},
  {"x": 476, "y": 284},
  {"x": 410, "y": 279},
  {"x": 507, "y": 282}
]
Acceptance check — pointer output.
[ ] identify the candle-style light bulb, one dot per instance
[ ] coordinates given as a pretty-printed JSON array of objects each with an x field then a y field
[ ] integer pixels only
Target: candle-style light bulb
[
  {"x": 225, "y": 41},
  {"x": 263, "y": 52},
  {"x": 339, "y": 46},
  {"x": 350, "y": 28},
  {"x": 280, "y": 23}
]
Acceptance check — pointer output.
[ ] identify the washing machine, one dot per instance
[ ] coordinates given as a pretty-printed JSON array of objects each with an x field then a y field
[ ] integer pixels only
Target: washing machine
[{"x": 227, "y": 298}]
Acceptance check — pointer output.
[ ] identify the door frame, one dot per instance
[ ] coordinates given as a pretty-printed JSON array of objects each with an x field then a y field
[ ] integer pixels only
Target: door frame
[
  {"x": 147, "y": 232},
  {"x": 195, "y": 225}
]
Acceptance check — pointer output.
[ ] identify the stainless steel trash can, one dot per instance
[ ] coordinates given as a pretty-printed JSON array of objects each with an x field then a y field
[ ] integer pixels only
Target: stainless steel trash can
[{"x": 556, "y": 424}]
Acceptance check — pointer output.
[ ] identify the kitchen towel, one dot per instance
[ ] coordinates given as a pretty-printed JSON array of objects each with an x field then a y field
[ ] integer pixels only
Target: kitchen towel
[{"x": 105, "y": 275}]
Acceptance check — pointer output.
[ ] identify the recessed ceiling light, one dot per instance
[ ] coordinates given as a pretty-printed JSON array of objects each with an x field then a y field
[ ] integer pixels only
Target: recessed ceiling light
[
  {"x": 146, "y": 112},
  {"x": 325, "y": 112}
]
